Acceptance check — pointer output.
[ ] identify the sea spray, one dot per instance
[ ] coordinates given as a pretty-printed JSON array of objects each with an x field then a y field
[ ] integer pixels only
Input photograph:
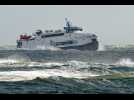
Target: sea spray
[{"x": 125, "y": 62}]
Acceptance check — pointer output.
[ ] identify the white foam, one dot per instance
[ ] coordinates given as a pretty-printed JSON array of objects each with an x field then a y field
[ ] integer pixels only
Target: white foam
[
  {"x": 15, "y": 59},
  {"x": 78, "y": 64},
  {"x": 73, "y": 63},
  {"x": 101, "y": 48},
  {"x": 125, "y": 62},
  {"x": 8, "y": 61},
  {"x": 47, "y": 64},
  {"x": 69, "y": 71},
  {"x": 29, "y": 75}
]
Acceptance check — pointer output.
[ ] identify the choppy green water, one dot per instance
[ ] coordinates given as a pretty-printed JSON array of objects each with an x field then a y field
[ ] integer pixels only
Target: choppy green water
[{"x": 69, "y": 71}]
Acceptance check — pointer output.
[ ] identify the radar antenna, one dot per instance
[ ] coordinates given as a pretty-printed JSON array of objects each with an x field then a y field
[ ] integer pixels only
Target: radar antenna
[
  {"x": 68, "y": 24},
  {"x": 70, "y": 28}
]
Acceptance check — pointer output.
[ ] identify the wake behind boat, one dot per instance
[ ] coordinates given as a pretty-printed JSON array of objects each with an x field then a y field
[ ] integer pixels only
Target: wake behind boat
[{"x": 70, "y": 37}]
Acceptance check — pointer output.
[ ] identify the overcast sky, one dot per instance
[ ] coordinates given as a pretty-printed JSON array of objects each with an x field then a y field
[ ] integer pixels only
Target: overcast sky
[{"x": 112, "y": 24}]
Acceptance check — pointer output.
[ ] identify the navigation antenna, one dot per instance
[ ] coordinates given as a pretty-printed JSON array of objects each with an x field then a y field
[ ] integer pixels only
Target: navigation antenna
[
  {"x": 68, "y": 25},
  {"x": 70, "y": 29}
]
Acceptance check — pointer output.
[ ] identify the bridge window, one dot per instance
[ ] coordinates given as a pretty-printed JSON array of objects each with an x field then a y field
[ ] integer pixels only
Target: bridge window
[
  {"x": 63, "y": 43},
  {"x": 52, "y": 35}
]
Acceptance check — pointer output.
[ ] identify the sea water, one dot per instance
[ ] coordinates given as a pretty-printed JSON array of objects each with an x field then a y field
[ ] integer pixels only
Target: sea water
[{"x": 67, "y": 71}]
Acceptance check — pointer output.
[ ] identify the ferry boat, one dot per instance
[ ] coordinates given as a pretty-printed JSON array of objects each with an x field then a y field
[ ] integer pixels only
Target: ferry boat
[{"x": 70, "y": 37}]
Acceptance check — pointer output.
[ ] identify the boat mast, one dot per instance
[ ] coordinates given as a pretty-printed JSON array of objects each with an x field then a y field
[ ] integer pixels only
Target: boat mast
[{"x": 69, "y": 28}]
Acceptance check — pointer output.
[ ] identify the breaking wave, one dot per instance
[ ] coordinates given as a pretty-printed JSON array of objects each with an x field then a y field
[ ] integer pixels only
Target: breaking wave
[
  {"x": 29, "y": 75},
  {"x": 125, "y": 62},
  {"x": 8, "y": 61},
  {"x": 14, "y": 59},
  {"x": 69, "y": 69}
]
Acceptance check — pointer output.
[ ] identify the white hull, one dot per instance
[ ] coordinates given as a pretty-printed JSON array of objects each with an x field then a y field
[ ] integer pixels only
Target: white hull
[
  {"x": 69, "y": 38},
  {"x": 77, "y": 39}
]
